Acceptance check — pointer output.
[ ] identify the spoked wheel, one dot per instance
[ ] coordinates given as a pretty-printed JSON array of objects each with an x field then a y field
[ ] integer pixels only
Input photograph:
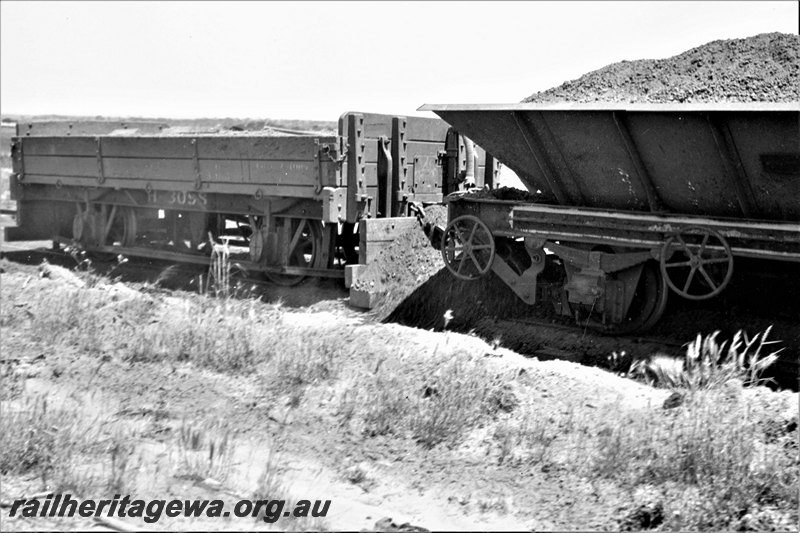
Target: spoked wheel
[
  {"x": 111, "y": 225},
  {"x": 697, "y": 263},
  {"x": 305, "y": 249},
  {"x": 119, "y": 229},
  {"x": 257, "y": 240},
  {"x": 86, "y": 226},
  {"x": 468, "y": 247},
  {"x": 120, "y": 226}
]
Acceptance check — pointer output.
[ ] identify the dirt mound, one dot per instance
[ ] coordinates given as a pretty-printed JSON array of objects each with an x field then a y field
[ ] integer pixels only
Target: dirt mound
[
  {"x": 468, "y": 302},
  {"x": 419, "y": 289},
  {"x": 762, "y": 68},
  {"x": 405, "y": 264}
]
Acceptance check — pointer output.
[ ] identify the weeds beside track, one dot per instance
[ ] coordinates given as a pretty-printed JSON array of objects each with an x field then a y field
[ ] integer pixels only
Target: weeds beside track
[{"x": 439, "y": 394}]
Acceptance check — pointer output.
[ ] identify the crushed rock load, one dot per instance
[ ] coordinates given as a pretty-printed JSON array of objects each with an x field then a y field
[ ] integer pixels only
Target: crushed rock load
[
  {"x": 508, "y": 194},
  {"x": 762, "y": 68}
]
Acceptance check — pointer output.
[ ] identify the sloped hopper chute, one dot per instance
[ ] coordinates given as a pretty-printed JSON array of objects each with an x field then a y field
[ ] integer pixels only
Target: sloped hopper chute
[{"x": 721, "y": 160}]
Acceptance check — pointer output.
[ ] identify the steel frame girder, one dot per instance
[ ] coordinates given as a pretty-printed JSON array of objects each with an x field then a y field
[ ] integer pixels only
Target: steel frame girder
[{"x": 758, "y": 239}]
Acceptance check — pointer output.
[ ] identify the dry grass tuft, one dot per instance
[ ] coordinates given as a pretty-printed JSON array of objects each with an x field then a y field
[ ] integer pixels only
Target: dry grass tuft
[
  {"x": 306, "y": 356},
  {"x": 438, "y": 402},
  {"x": 224, "y": 335},
  {"x": 75, "y": 318},
  {"x": 530, "y": 439},
  {"x": 709, "y": 363},
  {"x": 709, "y": 448},
  {"x": 122, "y": 464},
  {"x": 67, "y": 449},
  {"x": 205, "y": 450},
  {"x": 270, "y": 485},
  {"x": 36, "y": 437}
]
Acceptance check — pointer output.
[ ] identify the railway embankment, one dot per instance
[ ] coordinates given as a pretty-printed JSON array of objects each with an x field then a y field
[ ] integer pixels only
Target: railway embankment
[{"x": 434, "y": 429}]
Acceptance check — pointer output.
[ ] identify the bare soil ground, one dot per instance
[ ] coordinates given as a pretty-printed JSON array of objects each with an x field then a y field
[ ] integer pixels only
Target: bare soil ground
[
  {"x": 406, "y": 483},
  {"x": 436, "y": 429}
]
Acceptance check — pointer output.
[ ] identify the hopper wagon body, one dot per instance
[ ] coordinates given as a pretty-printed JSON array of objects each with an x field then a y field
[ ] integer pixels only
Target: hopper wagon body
[
  {"x": 626, "y": 204},
  {"x": 301, "y": 204}
]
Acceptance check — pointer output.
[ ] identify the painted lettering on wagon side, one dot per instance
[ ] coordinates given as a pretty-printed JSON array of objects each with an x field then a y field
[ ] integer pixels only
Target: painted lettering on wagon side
[
  {"x": 302, "y": 167},
  {"x": 179, "y": 197},
  {"x": 188, "y": 198}
]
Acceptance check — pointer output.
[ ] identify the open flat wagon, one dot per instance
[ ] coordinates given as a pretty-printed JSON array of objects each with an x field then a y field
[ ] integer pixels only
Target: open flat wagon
[{"x": 298, "y": 205}]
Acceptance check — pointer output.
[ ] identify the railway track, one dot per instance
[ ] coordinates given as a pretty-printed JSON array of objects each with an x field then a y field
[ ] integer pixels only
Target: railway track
[
  {"x": 177, "y": 271},
  {"x": 636, "y": 339}
]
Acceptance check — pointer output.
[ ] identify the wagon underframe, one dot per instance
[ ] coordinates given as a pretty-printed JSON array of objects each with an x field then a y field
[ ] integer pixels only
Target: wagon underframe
[{"x": 617, "y": 268}]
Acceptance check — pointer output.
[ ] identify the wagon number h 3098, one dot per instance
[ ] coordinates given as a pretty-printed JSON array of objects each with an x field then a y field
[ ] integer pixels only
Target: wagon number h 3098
[{"x": 180, "y": 198}]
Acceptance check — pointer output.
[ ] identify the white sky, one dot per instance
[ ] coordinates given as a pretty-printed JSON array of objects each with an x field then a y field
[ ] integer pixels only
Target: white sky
[{"x": 316, "y": 60}]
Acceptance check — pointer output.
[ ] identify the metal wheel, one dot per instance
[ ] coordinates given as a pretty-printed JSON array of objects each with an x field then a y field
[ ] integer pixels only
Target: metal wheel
[
  {"x": 646, "y": 308},
  {"x": 257, "y": 240},
  {"x": 112, "y": 226},
  {"x": 468, "y": 247},
  {"x": 304, "y": 250},
  {"x": 120, "y": 226},
  {"x": 85, "y": 227},
  {"x": 108, "y": 225},
  {"x": 697, "y": 250},
  {"x": 649, "y": 302}
]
